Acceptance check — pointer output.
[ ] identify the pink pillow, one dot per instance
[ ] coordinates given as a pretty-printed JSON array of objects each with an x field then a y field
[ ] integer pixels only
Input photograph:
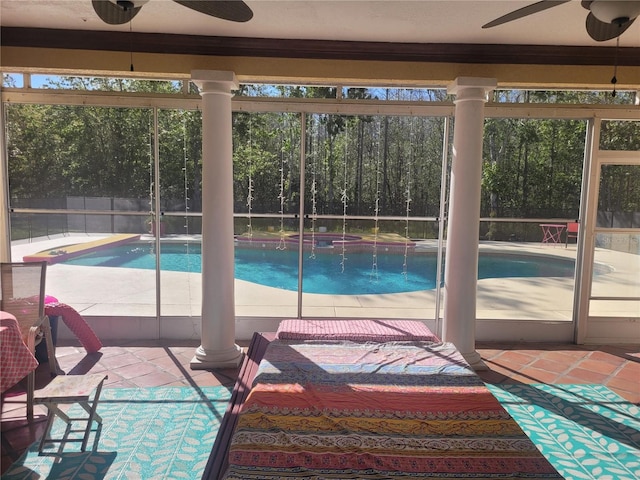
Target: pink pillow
[
  {"x": 356, "y": 330},
  {"x": 50, "y": 299}
]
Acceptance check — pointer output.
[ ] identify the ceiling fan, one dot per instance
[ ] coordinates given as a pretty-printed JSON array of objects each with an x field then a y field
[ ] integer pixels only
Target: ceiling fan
[
  {"x": 607, "y": 19},
  {"x": 117, "y": 12}
]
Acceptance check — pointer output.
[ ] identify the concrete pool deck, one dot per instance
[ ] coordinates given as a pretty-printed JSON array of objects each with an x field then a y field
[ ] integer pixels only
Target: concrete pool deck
[{"x": 105, "y": 292}]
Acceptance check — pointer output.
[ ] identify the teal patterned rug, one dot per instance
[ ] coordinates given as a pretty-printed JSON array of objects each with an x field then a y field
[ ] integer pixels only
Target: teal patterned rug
[
  {"x": 585, "y": 431},
  {"x": 147, "y": 433}
]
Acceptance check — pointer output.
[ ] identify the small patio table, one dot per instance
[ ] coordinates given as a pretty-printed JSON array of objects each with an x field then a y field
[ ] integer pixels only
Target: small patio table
[
  {"x": 69, "y": 389},
  {"x": 16, "y": 361},
  {"x": 552, "y": 232}
]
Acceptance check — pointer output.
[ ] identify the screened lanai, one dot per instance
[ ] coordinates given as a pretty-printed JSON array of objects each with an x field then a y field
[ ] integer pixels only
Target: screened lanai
[
  {"x": 308, "y": 141},
  {"x": 379, "y": 235}
]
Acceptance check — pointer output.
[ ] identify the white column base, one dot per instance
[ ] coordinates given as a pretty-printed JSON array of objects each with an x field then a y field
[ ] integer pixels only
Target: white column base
[
  {"x": 475, "y": 360},
  {"x": 206, "y": 360}
]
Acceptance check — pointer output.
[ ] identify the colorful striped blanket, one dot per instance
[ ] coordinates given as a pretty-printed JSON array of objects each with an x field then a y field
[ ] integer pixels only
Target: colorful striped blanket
[{"x": 394, "y": 410}]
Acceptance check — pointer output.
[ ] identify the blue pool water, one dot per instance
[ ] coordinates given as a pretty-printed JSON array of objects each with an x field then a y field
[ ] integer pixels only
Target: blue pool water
[{"x": 324, "y": 273}]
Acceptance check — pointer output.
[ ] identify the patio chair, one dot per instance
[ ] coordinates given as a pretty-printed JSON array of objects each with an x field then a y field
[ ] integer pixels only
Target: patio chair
[
  {"x": 22, "y": 286},
  {"x": 572, "y": 232}
]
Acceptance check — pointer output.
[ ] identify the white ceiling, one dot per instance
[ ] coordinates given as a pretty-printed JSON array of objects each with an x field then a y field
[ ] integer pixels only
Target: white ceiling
[{"x": 422, "y": 21}]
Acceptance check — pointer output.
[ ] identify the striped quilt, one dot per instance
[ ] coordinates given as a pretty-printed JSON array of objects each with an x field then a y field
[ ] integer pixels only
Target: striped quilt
[{"x": 394, "y": 410}]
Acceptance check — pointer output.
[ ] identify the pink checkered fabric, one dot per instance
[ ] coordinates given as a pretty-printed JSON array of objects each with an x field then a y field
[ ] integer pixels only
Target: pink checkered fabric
[
  {"x": 16, "y": 361},
  {"x": 356, "y": 330}
]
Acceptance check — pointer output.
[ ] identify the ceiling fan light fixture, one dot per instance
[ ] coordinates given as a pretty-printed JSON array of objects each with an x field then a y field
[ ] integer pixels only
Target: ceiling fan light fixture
[
  {"x": 616, "y": 12},
  {"x": 128, "y": 5},
  {"x": 125, "y": 4}
]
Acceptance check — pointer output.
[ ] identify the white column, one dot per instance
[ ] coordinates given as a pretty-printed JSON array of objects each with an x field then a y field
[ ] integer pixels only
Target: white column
[
  {"x": 461, "y": 264},
  {"x": 218, "y": 349}
]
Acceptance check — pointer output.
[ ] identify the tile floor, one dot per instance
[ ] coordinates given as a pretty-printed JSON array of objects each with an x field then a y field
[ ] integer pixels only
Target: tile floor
[{"x": 148, "y": 364}]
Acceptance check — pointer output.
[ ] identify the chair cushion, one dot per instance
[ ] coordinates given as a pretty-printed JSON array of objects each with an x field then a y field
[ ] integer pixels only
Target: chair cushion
[{"x": 355, "y": 330}]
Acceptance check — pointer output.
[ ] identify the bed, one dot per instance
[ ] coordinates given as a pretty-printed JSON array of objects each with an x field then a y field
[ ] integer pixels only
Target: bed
[{"x": 372, "y": 400}]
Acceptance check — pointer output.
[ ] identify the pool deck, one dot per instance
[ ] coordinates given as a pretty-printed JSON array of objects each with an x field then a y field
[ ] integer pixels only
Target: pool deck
[{"x": 108, "y": 292}]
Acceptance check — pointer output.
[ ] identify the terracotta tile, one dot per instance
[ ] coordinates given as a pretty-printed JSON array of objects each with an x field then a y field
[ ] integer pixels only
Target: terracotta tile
[
  {"x": 550, "y": 365},
  {"x": 185, "y": 357},
  {"x": 560, "y": 356},
  {"x": 513, "y": 358},
  {"x": 209, "y": 377},
  {"x": 120, "y": 360},
  {"x": 187, "y": 351},
  {"x": 503, "y": 370},
  {"x": 69, "y": 361},
  {"x": 178, "y": 383},
  {"x": 632, "y": 397},
  {"x": 155, "y": 379},
  {"x": 113, "y": 378},
  {"x": 113, "y": 350},
  {"x": 574, "y": 351},
  {"x": 532, "y": 352},
  {"x": 169, "y": 365},
  {"x": 629, "y": 372},
  {"x": 135, "y": 370},
  {"x": 536, "y": 375},
  {"x": 619, "y": 383},
  {"x": 14, "y": 412},
  {"x": 22, "y": 438},
  {"x": 168, "y": 361},
  {"x": 569, "y": 379},
  {"x": 604, "y": 368},
  {"x": 209, "y": 381},
  {"x": 150, "y": 353},
  {"x": 488, "y": 354},
  {"x": 228, "y": 376},
  {"x": 606, "y": 357},
  {"x": 70, "y": 356},
  {"x": 63, "y": 351},
  {"x": 586, "y": 375},
  {"x": 142, "y": 345}
]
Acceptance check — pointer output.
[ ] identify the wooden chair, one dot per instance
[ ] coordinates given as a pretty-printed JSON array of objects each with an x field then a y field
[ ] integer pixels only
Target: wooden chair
[
  {"x": 22, "y": 286},
  {"x": 572, "y": 232}
]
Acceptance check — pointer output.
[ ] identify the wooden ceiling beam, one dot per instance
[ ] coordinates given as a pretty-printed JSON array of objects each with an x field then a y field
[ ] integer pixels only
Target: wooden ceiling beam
[{"x": 318, "y": 49}]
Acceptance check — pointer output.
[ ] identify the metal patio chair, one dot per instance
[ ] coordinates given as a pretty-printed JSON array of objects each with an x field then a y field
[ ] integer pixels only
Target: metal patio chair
[
  {"x": 22, "y": 286},
  {"x": 572, "y": 232}
]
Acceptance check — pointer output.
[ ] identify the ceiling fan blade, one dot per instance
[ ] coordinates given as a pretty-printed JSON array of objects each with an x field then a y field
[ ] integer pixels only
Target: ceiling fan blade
[
  {"x": 232, "y": 10},
  {"x": 525, "y": 11},
  {"x": 602, "y": 31},
  {"x": 113, "y": 14}
]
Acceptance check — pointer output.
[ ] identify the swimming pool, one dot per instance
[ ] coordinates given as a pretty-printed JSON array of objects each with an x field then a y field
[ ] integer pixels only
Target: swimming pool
[{"x": 324, "y": 273}]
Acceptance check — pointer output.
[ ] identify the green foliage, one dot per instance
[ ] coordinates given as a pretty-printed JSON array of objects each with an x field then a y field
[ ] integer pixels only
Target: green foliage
[
  {"x": 532, "y": 168},
  {"x": 353, "y": 163},
  {"x": 180, "y": 153},
  {"x": 105, "y": 84},
  {"x": 78, "y": 151}
]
